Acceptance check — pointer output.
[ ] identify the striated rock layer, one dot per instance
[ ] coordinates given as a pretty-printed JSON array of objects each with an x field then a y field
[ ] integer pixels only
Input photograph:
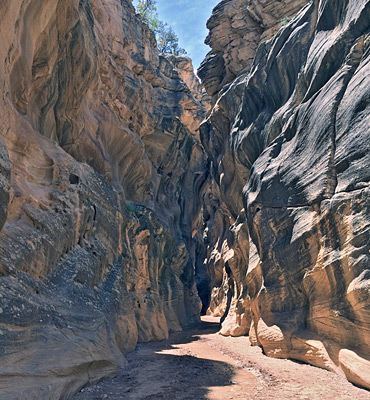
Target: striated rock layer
[
  {"x": 101, "y": 176},
  {"x": 287, "y": 218},
  {"x": 236, "y": 28}
]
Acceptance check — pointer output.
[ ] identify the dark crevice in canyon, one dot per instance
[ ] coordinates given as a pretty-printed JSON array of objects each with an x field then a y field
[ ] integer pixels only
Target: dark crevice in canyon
[{"x": 134, "y": 198}]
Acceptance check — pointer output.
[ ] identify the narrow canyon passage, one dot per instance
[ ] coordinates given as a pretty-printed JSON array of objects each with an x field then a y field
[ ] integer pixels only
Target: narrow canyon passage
[
  {"x": 200, "y": 364},
  {"x": 135, "y": 196}
]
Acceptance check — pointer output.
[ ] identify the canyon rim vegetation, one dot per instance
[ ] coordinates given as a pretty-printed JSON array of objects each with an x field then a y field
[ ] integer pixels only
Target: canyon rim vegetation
[{"x": 132, "y": 196}]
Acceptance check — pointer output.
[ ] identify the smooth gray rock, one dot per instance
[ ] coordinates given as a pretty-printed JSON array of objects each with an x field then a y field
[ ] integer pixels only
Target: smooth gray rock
[{"x": 289, "y": 145}]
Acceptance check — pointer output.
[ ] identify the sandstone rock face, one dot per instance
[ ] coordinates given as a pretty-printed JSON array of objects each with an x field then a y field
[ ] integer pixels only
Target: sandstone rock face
[
  {"x": 4, "y": 183},
  {"x": 101, "y": 174},
  {"x": 288, "y": 142},
  {"x": 236, "y": 28},
  {"x": 185, "y": 69}
]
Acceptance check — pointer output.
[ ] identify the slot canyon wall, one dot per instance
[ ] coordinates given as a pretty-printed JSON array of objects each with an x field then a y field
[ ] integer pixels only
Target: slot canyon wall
[
  {"x": 286, "y": 215},
  {"x": 102, "y": 174},
  {"x": 111, "y": 197}
]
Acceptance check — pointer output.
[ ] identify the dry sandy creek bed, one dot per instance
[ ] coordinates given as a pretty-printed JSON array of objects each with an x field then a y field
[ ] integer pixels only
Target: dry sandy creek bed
[{"x": 201, "y": 364}]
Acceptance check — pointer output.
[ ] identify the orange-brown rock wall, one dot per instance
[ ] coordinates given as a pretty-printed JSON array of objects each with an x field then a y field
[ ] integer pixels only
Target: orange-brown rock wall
[
  {"x": 236, "y": 28},
  {"x": 101, "y": 174}
]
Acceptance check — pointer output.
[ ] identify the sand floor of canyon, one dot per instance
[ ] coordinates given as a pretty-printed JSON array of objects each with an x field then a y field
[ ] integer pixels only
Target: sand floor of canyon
[{"x": 201, "y": 364}]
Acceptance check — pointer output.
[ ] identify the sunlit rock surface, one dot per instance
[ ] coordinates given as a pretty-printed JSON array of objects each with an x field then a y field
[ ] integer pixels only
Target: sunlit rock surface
[
  {"x": 101, "y": 176},
  {"x": 287, "y": 218},
  {"x": 236, "y": 28}
]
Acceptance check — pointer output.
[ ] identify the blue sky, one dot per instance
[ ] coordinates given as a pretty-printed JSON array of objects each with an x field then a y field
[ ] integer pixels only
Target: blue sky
[{"x": 188, "y": 18}]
